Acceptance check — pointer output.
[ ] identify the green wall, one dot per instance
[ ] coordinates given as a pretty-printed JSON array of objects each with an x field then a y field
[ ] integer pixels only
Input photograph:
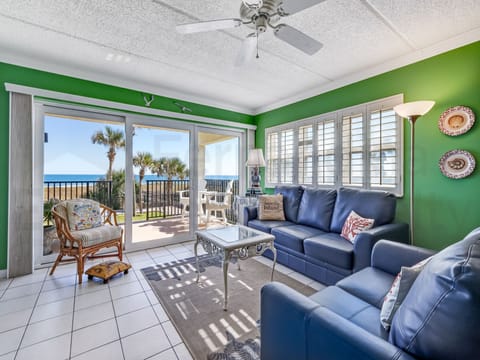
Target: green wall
[
  {"x": 445, "y": 209},
  {"x": 49, "y": 81}
]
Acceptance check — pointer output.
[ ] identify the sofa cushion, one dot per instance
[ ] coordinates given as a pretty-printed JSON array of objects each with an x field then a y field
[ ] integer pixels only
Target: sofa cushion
[
  {"x": 399, "y": 289},
  {"x": 293, "y": 236},
  {"x": 351, "y": 308},
  {"x": 98, "y": 235},
  {"x": 440, "y": 316},
  {"x": 270, "y": 207},
  {"x": 330, "y": 248},
  {"x": 291, "y": 200},
  {"x": 379, "y": 282},
  {"x": 83, "y": 214},
  {"x": 377, "y": 205},
  {"x": 268, "y": 225},
  {"x": 316, "y": 208}
]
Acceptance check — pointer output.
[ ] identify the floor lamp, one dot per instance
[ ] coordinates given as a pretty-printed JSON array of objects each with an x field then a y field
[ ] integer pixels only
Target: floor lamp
[{"x": 412, "y": 111}]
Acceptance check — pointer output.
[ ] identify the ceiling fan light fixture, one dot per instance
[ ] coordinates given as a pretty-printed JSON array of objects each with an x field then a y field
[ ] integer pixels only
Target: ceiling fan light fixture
[{"x": 253, "y": 4}]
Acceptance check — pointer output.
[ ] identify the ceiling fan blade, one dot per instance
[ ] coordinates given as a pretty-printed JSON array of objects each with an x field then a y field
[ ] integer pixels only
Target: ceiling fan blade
[
  {"x": 293, "y": 6},
  {"x": 247, "y": 50},
  {"x": 208, "y": 26},
  {"x": 298, "y": 39}
]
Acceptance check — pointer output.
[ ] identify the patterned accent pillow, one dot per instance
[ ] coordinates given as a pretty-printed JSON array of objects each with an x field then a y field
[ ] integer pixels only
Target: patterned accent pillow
[
  {"x": 270, "y": 207},
  {"x": 83, "y": 214},
  {"x": 354, "y": 225},
  {"x": 399, "y": 290}
]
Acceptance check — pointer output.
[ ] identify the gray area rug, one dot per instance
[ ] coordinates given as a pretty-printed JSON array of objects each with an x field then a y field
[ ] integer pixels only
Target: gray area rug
[{"x": 196, "y": 309}]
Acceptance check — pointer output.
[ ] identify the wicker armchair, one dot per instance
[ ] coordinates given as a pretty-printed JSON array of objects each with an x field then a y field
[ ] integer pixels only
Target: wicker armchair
[{"x": 84, "y": 227}]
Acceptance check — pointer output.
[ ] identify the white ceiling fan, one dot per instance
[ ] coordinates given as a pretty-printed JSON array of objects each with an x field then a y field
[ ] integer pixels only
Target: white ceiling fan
[{"x": 260, "y": 15}]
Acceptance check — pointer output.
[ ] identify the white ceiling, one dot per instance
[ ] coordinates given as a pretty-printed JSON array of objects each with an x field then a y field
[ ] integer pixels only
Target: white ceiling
[{"x": 133, "y": 43}]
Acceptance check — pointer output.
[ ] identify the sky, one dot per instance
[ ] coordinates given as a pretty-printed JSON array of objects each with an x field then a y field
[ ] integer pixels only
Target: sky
[{"x": 70, "y": 150}]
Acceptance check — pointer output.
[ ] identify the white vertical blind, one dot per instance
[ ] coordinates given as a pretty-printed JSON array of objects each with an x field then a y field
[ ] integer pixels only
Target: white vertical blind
[{"x": 361, "y": 147}]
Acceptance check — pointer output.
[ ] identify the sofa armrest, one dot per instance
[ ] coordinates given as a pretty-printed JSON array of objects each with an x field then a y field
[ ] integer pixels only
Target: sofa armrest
[
  {"x": 330, "y": 336},
  {"x": 391, "y": 256},
  {"x": 249, "y": 213},
  {"x": 283, "y": 318},
  {"x": 365, "y": 241}
]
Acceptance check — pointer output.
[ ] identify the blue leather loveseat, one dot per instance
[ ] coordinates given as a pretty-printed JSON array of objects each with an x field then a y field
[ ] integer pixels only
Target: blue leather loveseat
[
  {"x": 309, "y": 240},
  {"x": 438, "y": 319}
]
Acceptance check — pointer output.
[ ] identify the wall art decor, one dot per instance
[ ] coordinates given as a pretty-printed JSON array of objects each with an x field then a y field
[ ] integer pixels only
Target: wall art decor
[
  {"x": 456, "y": 120},
  {"x": 457, "y": 164}
]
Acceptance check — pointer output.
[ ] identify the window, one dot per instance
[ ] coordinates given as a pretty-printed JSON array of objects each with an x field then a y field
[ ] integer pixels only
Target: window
[
  {"x": 326, "y": 152},
  {"x": 356, "y": 147},
  {"x": 305, "y": 154}
]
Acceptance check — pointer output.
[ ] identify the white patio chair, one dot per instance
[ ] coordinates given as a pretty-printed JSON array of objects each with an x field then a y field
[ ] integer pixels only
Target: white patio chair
[{"x": 220, "y": 201}]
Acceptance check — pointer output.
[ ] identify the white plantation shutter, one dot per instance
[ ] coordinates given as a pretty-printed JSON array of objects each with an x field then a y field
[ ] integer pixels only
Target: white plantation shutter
[
  {"x": 305, "y": 155},
  {"x": 326, "y": 152},
  {"x": 271, "y": 154},
  {"x": 286, "y": 156},
  {"x": 356, "y": 147},
  {"x": 353, "y": 149},
  {"x": 384, "y": 158}
]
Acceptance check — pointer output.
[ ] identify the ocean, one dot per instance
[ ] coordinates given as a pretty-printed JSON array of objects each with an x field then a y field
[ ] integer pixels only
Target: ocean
[{"x": 96, "y": 177}]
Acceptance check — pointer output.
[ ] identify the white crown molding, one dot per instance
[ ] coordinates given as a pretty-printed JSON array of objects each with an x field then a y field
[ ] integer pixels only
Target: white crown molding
[
  {"x": 121, "y": 106},
  {"x": 410, "y": 58},
  {"x": 56, "y": 68}
]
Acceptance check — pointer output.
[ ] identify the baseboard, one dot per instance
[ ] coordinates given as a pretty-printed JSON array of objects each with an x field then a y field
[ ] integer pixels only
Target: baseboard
[{"x": 3, "y": 274}]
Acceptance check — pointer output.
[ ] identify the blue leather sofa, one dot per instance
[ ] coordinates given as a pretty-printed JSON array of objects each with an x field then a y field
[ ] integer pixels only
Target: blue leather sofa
[
  {"x": 309, "y": 240},
  {"x": 438, "y": 319}
]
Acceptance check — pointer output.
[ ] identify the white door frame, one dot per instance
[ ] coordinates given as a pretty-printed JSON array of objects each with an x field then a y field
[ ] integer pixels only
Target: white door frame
[{"x": 43, "y": 107}]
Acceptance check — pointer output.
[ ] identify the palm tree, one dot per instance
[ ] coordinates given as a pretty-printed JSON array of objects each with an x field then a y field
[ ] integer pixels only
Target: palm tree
[
  {"x": 142, "y": 160},
  {"x": 114, "y": 140},
  {"x": 170, "y": 167}
]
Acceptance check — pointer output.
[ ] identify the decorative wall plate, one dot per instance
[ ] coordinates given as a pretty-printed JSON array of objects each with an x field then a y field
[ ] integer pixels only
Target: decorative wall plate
[
  {"x": 457, "y": 164},
  {"x": 456, "y": 120}
]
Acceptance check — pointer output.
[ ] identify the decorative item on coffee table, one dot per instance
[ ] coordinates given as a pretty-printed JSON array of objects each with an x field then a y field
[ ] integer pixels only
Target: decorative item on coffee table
[{"x": 107, "y": 270}]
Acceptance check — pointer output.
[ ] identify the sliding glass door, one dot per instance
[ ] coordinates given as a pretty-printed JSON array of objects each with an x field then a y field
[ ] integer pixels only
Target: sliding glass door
[
  {"x": 164, "y": 178},
  {"x": 161, "y": 185},
  {"x": 78, "y": 154},
  {"x": 219, "y": 173}
]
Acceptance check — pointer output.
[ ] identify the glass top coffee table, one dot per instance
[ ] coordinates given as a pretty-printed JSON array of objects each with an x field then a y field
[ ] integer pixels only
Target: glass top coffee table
[{"x": 234, "y": 241}]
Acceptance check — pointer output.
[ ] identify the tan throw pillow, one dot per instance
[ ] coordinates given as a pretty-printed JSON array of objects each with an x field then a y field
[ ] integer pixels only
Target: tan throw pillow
[
  {"x": 399, "y": 290},
  {"x": 354, "y": 225},
  {"x": 270, "y": 207}
]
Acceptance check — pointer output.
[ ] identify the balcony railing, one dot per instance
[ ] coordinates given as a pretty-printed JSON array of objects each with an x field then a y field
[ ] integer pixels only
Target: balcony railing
[
  {"x": 160, "y": 200},
  {"x": 100, "y": 191}
]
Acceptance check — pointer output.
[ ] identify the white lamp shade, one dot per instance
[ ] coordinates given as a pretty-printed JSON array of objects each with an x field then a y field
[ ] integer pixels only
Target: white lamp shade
[
  {"x": 415, "y": 108},
  {"x": 255, "y": 158}
]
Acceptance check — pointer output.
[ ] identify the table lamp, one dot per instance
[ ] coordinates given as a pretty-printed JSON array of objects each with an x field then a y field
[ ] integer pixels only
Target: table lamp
[{"x": 255, "y": 160}]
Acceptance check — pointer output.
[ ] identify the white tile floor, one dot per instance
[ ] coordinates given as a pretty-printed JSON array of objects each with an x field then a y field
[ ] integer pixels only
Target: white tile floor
[{"x": 51, "y": 317}]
